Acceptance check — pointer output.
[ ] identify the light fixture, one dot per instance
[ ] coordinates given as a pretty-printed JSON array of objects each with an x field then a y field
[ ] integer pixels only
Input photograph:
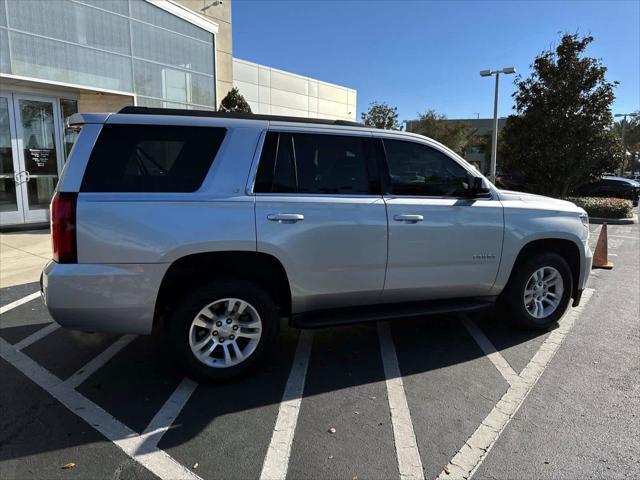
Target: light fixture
[{"x": 215, "y": 3}]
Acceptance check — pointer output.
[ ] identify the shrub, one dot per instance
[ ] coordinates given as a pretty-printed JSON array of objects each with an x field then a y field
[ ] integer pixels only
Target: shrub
[
  {"x": 234, "y": 102},
  {"x": 604, "y": 207}
]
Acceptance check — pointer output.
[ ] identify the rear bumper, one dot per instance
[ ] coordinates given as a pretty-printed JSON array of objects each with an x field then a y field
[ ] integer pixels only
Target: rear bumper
[{"x": 116, "y": 298}]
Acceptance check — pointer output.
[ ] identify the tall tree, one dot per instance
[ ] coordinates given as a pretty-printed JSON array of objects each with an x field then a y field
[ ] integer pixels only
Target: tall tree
[
  {"x": 381, "y": 115},
  {"x": 234, "y": 102},
  {"x": 628, "y": 131},
  {"x": 561, "y": 136},
  {"x": 455, "y": 135}
]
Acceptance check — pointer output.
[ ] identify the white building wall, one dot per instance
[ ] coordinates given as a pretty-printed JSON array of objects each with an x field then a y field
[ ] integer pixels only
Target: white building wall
[{"x": 276, "y": 92}]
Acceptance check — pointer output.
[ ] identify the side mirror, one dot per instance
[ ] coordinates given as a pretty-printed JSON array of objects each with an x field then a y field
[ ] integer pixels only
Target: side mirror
[{"x": 477, "y": 188}]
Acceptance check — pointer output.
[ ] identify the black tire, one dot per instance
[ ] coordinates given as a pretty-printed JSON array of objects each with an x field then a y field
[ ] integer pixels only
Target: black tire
[
  {"x": 180, "y": 320},
  {"x": 511, "y": 302}
]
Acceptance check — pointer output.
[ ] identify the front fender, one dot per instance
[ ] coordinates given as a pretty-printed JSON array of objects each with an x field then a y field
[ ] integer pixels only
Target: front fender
[{"x": 523, "y": 228}]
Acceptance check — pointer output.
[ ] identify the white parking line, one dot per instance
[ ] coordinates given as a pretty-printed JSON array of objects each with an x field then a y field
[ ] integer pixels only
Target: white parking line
[
  {"x": 276, "y": 462},
  {"x": 33, "y": 338},
  {"x": 165, "y": 417},
  {"x": 465, "y": 463},
  {"x": 490, "y": 351},
  {"x": 409, "y": 461},
  {"x": 149, "y": 456},
  {"x": 17, "y": 303},
  {"x": 97, "y": 362},
  {"x": 628, "y": 237}
]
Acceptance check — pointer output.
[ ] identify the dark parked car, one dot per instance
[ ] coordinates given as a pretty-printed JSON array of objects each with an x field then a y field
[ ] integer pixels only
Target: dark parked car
[
  {"x": 515, "y": 182},
  {"x": 609, "y": 186}
]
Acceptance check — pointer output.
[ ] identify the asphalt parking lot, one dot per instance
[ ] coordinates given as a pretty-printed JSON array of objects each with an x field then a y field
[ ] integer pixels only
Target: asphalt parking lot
[{"x": 448, "y": 397}]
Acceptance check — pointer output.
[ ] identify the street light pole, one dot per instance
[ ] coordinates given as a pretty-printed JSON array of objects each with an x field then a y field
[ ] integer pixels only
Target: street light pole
[{"x": 494, "y": 140}]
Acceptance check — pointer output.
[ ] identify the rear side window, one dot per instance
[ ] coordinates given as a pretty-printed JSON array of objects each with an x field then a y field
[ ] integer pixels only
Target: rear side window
[
  {"x": 151, "y": 158},
  {"x": 316, "y": 164},
  {"x": 277, "y": 169}
]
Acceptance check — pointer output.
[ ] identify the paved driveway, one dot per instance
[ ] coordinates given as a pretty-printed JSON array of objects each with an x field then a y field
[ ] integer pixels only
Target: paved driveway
[{"x": 446, "y": 396}]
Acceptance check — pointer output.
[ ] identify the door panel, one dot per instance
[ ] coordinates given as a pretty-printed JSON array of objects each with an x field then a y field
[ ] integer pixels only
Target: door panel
[
  {"x": 10, "y": 200},
  {"x": 441, "y": 243},
  {"x": 320, "y": 212},
  {"x": 37, "y": 121},
  {"x": 335, "y": 256},
  {"x": 30, "y": 156},
  {"x": 454, "y": 251}
]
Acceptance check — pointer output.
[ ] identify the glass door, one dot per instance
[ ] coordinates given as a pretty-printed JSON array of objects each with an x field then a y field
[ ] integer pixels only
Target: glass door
[
  {"x": 40, "y": 155},
  {"x": 11, "y": 211}
]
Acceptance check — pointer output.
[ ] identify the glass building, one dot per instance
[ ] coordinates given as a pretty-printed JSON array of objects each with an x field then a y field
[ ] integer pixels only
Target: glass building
[
  {"x": 58, "y": 57},
  {"x": 61, "y": 56},
  {"x": 129, "y": 46}
]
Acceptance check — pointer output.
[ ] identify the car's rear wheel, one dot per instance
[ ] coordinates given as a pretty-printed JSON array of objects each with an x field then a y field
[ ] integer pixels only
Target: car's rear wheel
[
  {"x": 221, "y": 330},
  {"x": 539, "y": 291}
]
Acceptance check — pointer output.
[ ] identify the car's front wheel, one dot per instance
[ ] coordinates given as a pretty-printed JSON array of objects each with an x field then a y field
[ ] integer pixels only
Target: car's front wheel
[
  {"x": 222, "y": 329},
  {"x": 538, "y": 292}
]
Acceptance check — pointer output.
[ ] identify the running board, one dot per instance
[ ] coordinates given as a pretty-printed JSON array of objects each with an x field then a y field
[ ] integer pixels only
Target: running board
[{"x": 388, "y": 311}]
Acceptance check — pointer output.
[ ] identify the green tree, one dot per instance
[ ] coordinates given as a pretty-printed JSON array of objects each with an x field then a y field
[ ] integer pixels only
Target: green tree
[
  {"x": 234, "y": 102},
  {"x": 561, "y": 136},
  {"x": 381, "y": 115},
  {"x": 485, "y": 141},
  {"x": 455, "y": 135},
  {"x": 631, "y": 141}
]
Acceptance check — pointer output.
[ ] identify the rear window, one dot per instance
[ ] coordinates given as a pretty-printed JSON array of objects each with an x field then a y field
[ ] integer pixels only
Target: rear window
[
  {"x": 316, "y": 164},
  {"x": 151, "y": 158}
]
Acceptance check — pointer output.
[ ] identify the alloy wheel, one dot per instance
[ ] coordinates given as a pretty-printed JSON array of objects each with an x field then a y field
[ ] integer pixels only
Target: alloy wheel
[
  {"x": 225, "y": 332},
  {"x": 543, "y": 292}
]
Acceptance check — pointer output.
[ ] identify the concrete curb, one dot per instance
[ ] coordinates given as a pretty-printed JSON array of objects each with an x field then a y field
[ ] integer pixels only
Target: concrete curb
[
  {"x": 614, "y": 221},
  {"x": 24, "y": 227}
]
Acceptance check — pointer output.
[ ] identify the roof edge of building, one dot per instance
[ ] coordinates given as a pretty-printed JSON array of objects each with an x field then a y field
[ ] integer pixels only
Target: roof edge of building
[
  {"x": 305, "y": 77},
  {"x": 186, "y": 14}
]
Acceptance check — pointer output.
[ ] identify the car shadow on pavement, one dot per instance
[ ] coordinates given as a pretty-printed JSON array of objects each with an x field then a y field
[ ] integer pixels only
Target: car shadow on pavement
[
  {"x": 135, "y": 384},
  {"x": 344, "y": 358},
  {"x": 16, "y": 292}
]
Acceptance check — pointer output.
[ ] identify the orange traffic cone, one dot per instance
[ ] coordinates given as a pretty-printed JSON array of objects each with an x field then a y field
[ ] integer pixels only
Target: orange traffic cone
[{"x": 600, "y": 259}]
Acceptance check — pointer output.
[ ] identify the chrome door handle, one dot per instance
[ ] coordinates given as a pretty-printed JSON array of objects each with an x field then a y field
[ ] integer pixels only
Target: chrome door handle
[
  {"x": 285, "y": 217},
  {"x": 408, "y": 218}
]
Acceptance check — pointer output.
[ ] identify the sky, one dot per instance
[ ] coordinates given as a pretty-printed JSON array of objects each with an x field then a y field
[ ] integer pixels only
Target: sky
[{"x": 420, "y": 55}]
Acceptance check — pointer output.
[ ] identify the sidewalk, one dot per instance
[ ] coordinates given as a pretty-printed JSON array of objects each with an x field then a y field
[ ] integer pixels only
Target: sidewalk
[{"x": 22, "y": 256}]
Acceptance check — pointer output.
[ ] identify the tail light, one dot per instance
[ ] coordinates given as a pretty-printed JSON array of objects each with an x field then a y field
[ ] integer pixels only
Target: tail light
[{"x": 63, "y": 227}]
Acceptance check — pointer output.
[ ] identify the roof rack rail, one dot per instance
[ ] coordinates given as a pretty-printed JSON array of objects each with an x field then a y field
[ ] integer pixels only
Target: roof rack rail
[{"x": 238, "y": 115}]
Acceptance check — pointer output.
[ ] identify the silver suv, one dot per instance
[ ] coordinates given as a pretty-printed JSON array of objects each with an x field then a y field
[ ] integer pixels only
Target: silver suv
[{"x": 212, "y": 226}]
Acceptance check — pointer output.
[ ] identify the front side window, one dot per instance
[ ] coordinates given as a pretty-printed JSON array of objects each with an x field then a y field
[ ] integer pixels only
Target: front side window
[
  {"x": 314, "y": 164},
  {"x": 151, "y": 158},
  {"x": 420, "y": 170}
]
